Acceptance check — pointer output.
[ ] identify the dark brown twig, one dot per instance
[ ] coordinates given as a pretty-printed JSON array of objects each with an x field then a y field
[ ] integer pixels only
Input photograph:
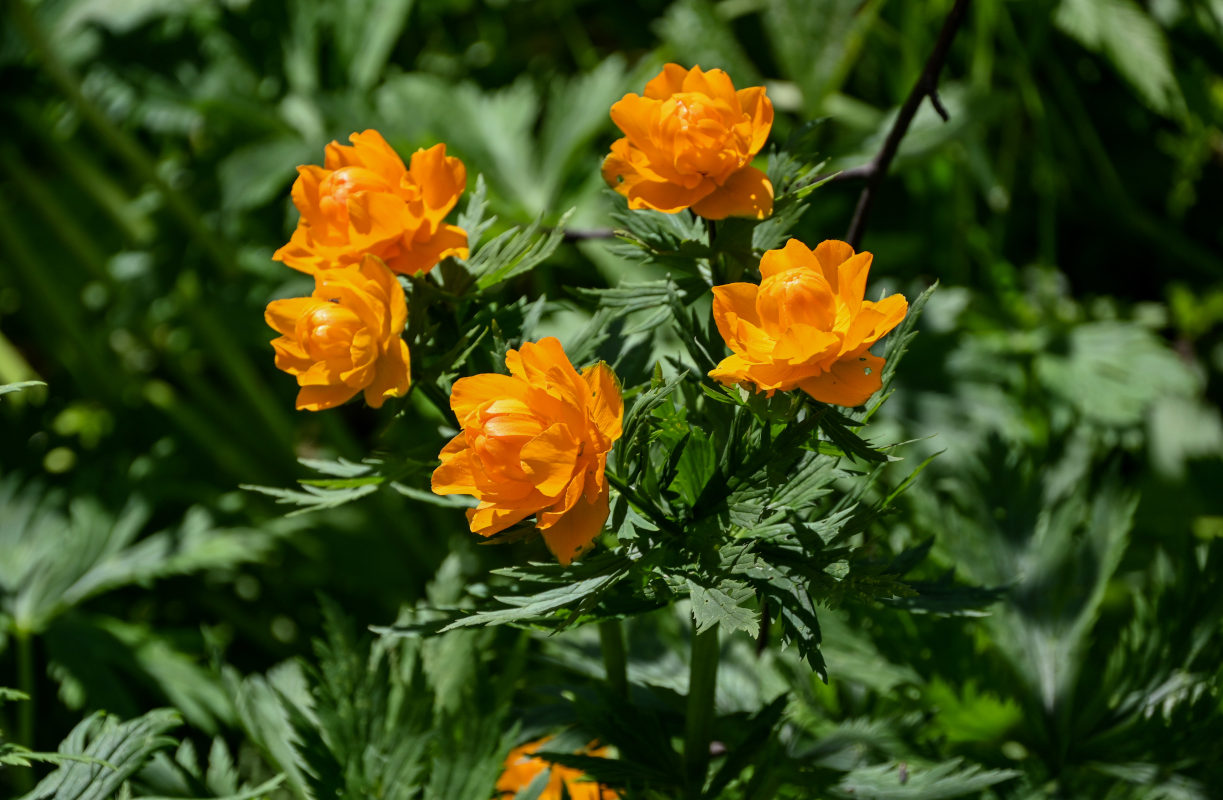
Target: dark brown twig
[{"x": 926, "y": 86}]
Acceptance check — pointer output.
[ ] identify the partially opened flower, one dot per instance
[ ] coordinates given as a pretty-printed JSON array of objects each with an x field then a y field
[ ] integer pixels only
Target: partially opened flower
[
  {"x": 363, "y": 200},
  {"x": 689, "y": 142},
  {"x": 806, "y": 325},
  {"x": 535, "y": 442},
  {"x": 521, "y": 767},
  {"x": 345, "y": 337}
]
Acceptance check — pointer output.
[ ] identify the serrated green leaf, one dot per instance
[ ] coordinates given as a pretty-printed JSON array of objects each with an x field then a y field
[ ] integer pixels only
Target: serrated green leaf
[
  {"x": 711, "y": 606},
  {"x": 116, "y": 750}
]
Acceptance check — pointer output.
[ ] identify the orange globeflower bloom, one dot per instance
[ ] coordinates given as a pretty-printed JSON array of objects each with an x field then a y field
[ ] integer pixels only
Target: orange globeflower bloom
[
  {"x": 345, "y": 337},
  {"x": 535, "y": 442},
  {"x": 806, "y": 325},
  {"x": 363, "y": 200},
  {"x": 521, "y": 767},
  {"x": 689, "y": 143}
]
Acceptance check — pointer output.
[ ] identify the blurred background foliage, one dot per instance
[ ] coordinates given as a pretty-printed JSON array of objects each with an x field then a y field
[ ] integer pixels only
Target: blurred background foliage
[{"x": 1069, "y": 372}]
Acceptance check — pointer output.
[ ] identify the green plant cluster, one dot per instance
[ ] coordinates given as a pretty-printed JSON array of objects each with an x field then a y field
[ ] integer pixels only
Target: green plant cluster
[{"x": 1002, "y": 582}]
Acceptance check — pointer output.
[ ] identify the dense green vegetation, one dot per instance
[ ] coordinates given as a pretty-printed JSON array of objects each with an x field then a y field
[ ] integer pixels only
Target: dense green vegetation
[{"x": 1067, "y": 372}]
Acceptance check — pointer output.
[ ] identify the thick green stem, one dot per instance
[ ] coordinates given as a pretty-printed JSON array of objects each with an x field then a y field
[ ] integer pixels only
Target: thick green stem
[
  {"x": 615, "y": 661},
  {"x": 702, "y": 689}
]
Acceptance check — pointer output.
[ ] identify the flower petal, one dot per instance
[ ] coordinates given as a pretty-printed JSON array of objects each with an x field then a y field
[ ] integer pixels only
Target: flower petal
[
  {"x": 746, "y": 193},
  {"x": 666, "y": 83},
  {"x": 606, "y": 404},
  {"x": 487, "y": 518},
  {"x": 468, "y": 394},
  {"x": 420, "y": 257},
  {"x": 831, "y": 254},
  {"x": 282, "y": 315},
  {"x": 575, "y": 532},
  {"x": 851, "y": 381},
  {"x": 317, "y": 398},
  {"x": 670, "y": 198},
  {"x": 392, "y": 376},
  {"x": 549, "y": 459},
  {"x": 454, "y": 474}
]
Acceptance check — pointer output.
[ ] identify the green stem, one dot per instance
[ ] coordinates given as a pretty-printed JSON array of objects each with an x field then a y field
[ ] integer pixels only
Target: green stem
[
  {"x": 25, "y": 709},
  {"x": 702, "y": 690},
  {"x": 615, "y": 661}
]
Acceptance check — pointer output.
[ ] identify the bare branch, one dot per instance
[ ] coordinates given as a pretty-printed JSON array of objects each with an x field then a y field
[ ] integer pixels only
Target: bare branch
[{"x": 926, "y": 86}]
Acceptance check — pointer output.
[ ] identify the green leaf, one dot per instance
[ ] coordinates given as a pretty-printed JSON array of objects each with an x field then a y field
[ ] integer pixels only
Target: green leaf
[
  {"x": 912, "y": 781},
  {"x": 901, "y": 336},
  {"x": 473, "y": 218},
  {"x": 1132, "y": 41},
  {"x": 535, "y": 608},
  {"x": 116, "y": 750},
  {"x": 514, "y": 252},
  {"x": 712, "y": 606},
  {"x": 17, "y": 387},
  {"x": 697, "y": 464}
]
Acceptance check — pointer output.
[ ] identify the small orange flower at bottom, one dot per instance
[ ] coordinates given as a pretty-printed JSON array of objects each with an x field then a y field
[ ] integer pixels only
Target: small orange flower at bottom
[
  {"x": 806, "y": 326},
  {"x": 535, "y": 442},
  {"x": 521, "y": 767},
  {"x": 345, "y": 337}
]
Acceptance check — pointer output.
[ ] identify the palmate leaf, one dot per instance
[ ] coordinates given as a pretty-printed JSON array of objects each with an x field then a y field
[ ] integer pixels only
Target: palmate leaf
[
  {"x": 113, "y": 752},
  {"x": 914, "y": 781},
  {"x": 56, "y": 558}
]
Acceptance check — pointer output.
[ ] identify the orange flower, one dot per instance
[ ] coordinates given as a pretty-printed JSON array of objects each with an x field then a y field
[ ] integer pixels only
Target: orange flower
[
  {"x": 806, "y": 325},
  {"x": 535, "y": 442},
  {"x": 363, "y": 200},
  {"x": 689, "y": 143},
  {"x": 345, "y": 337},
  {"x": 521, "y": 767}
]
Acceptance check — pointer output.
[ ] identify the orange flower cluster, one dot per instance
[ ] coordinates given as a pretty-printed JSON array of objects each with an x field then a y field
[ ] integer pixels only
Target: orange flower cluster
[
  {"x": 689, "y": 143},
  {"x": 535, "y": 442},
  {"x": 363, "y": 215},
  {"x": 345, "y": 337},
  {"x": 806, "y": 325},
  {"x": 521, "y": 767},
  {"x": 363, "y": 200}
]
